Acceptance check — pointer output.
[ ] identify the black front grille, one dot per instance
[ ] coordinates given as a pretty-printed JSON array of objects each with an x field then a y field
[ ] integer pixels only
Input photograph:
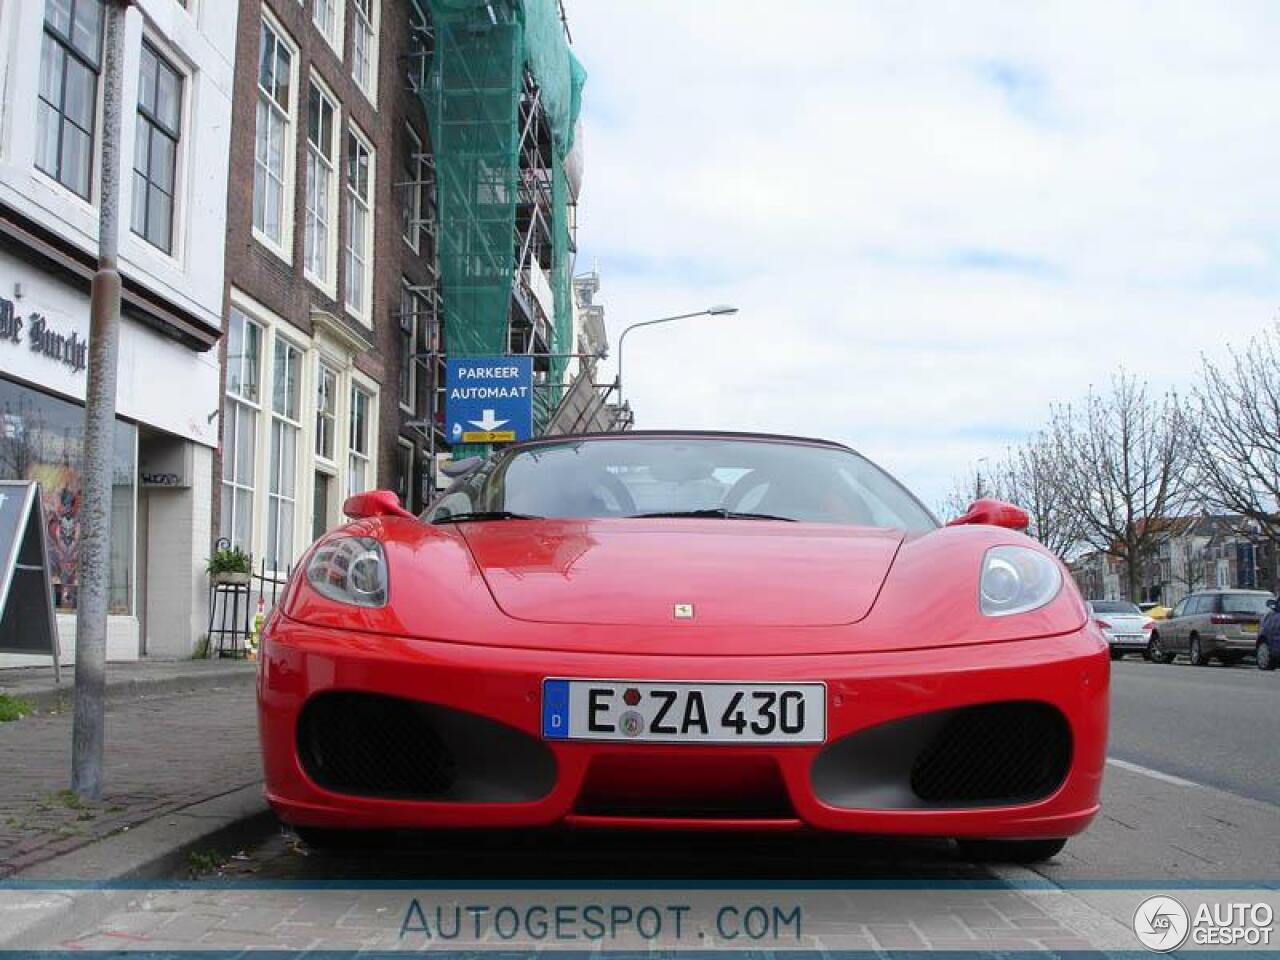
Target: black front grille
[
  {"x": 994, "y": 753},
  {"x": 374, "y": 745}
]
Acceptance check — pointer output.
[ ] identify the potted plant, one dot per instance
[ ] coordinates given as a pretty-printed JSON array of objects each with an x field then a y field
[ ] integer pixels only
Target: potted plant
[{"x": 230, "y": 565}]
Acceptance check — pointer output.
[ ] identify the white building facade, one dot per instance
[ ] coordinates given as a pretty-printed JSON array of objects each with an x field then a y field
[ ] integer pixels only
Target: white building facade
[{"x": 176, "y": 128}]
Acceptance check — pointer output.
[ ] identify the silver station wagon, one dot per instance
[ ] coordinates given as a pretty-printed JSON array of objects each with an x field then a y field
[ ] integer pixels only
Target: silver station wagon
[{"x": 1210, "y": 624}]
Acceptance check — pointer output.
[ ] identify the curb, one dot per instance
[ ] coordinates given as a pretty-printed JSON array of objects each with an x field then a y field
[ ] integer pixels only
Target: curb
[
  {"x": 152, "y": 850},
  {"x": 57, "y": 699}
]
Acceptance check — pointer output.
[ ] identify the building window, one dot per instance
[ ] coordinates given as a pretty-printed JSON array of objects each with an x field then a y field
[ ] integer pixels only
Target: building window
[
  {"x": 359, "y": 224},
  {"x": 322, "y": 185},
  {"x": 358, "y": 474},
  {"x": 364, "y": 46},
  {"x": 327, "y": 16},
  {"x": 155, "y": 149},
  {"x": 419, "y": 58},
  {"x": 42, "y": 440},
  {"x": 412, "y": 170},
  {"x": 404, "y": 473},
  {"x": 66, "y": 115},
  {"x": 282, "y": 494},
  {"x": 240, "y": 410},
  {"x": 271, "y": 201},
  {"x": 326, "y": 412},
  {"x": 410, "y": 307}
]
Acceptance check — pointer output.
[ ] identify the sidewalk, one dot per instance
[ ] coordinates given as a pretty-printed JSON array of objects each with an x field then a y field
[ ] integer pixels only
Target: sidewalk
[{"x": 178, "y": 733}]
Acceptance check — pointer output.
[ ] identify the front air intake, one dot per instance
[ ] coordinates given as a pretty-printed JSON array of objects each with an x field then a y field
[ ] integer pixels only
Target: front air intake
[
  {"x": 994, "y": 753},
  {"x": 367, "y": 744}
]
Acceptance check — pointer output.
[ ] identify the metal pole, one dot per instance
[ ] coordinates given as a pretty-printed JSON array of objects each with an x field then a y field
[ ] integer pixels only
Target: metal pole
[
  {"x": 647, "y": 323},
  {"x": 99, "y": 429}
]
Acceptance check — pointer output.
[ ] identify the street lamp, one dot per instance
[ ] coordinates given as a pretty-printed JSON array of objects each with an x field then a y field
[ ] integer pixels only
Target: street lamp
[{"x": 719, "y": 310}]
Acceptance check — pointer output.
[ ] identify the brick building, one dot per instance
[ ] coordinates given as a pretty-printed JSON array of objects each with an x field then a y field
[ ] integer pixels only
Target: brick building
[{"x": 330, "y": 265}]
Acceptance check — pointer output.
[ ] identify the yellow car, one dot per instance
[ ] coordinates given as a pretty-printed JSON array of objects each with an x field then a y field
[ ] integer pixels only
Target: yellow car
[{"x": 1156, "y": 611}]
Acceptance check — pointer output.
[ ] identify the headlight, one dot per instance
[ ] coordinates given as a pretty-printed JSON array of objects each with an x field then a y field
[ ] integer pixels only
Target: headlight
[
  {"x": 350, "y": 570},
  {"x": 1017, "y": 580}
]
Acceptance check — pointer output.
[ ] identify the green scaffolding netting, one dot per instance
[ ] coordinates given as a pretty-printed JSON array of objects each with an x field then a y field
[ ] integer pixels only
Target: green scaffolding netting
[{"x": 477, "y": 75}]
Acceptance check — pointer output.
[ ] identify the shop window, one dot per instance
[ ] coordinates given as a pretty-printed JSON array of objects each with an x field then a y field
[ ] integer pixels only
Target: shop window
[{"x": 42, "y": 439}]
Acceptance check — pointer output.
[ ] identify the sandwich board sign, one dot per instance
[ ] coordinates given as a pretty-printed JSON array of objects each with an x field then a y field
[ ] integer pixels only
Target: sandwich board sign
[{"x": 27, "y": 621}]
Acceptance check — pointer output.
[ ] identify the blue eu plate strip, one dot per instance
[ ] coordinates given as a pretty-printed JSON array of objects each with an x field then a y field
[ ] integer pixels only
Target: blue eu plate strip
[{"x": 555, "y": 709}]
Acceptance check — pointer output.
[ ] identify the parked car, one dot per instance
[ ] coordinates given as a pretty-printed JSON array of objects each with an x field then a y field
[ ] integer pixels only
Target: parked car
[
  {"x": 1211, "y": 624},
  {"x": 585, "y": 630},
  {"x": 1268, "y": 651},
  {"x": 1124, "y": 625}
]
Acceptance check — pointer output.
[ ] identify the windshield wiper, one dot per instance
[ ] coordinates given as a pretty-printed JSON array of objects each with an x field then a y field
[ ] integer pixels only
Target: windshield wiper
[
  {"x": 719, "y": 512},
  {"x": 478, "y": 515}
]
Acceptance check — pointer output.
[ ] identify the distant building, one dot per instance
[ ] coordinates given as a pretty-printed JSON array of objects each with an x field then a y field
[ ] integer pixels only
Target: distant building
[{"x": 176, "y": 122}]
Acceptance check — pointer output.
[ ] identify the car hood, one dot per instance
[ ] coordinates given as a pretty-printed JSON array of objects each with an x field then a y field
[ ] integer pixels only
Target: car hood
[{"x": 636, "y": 571}]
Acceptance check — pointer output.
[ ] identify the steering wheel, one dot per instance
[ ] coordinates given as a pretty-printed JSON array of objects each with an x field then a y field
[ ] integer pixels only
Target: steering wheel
[
  {"x": 626, "y": 502},
  {"x": 744, "y": 485}
]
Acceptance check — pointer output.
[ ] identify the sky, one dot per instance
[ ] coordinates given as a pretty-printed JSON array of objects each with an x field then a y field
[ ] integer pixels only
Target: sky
[{"x": 937, "y": 219}]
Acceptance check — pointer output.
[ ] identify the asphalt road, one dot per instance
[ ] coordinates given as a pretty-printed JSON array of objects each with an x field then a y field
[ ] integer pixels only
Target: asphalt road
[
  {"x": 1202, "y": 802},
  {"x": 1214, "y": 725}
]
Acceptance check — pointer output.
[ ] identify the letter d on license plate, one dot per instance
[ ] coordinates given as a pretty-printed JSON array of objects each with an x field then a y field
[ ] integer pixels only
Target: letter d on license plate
[{"x": 701, "y": 712}]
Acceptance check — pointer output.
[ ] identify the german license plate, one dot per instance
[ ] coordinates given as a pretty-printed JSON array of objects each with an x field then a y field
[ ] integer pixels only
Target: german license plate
[{"x": 710, "y": 712}]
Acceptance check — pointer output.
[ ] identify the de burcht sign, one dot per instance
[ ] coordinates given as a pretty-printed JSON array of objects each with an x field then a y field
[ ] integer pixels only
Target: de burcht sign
[{"x": 489, "y": 399}]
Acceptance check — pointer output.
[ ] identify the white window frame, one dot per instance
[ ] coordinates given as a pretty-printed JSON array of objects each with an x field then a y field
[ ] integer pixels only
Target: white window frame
[
  {"x": 362, "y": 311},
  {"x": 278, "y": 417},
  {"x": 360, "y": 20},
  {"x": 230, "y": 442},
  {"x": 329, "y": 463},
  {"x": 329, "y": 283},
  {"x": 283, "y": 247},
  {"x": 177, "y": 253},
  {"x": 334, "y": 39},
  {"x": 362, "y": 385}
]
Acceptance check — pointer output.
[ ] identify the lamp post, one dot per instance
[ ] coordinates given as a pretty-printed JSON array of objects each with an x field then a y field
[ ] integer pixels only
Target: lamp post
[{"x": 719, "y": 310}]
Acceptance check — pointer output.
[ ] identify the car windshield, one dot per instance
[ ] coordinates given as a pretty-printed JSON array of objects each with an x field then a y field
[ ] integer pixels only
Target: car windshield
[
  {"x": 686, "y": 476},
  {"x": 1245, "y": 603},
  {"x": 1115, "y": 606}
]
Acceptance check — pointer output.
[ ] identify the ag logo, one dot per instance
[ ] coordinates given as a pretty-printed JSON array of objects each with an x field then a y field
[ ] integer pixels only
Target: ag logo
[{"x": 1161, "y": 923}]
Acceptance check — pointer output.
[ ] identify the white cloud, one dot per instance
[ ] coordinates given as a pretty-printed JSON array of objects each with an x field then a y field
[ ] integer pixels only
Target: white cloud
[{"x": 937, "y": 219}]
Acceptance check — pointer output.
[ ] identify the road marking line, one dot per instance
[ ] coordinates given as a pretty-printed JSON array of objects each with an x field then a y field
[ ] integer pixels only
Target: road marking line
[{"x": 1153, "y": 774}]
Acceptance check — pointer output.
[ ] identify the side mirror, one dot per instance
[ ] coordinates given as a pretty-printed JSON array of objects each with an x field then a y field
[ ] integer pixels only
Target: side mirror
[
  {"x": 375, "y": 503},
  {"x": 994, "y": 513},
  {"x": 460, "y": 468}
]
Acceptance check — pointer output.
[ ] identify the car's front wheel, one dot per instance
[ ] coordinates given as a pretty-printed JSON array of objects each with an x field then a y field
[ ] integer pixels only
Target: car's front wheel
[
  {"x": 1266, "y": 658},
  {"x": 1195, "y": 653},
  {"x": 1155, "y": 650},
  {"x": 1010, "y": 851}
]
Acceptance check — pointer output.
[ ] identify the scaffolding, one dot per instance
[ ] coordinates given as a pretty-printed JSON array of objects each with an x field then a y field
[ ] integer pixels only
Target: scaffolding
[{"x": 502, "y": 92}]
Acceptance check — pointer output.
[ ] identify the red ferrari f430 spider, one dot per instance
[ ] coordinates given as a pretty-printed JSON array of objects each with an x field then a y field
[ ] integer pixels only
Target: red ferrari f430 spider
[{"x": 685, "y": 631}]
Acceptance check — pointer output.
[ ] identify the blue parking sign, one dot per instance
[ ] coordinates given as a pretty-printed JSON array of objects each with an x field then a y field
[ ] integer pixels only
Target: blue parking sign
[{"x": 489, "y": 399}]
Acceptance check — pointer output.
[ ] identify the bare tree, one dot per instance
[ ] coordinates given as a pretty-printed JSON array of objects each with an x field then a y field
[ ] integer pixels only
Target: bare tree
[
  {"x": 1127, "y": 465},
  {"x": 1035, "y": 476},
  {"x": 979, "y": 482},
  {"x": 1237, "y": 438}
]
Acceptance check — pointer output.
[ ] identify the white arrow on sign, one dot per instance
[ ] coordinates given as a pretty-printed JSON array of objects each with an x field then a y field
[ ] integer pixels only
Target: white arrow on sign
[{"x": 488, "y": 423}]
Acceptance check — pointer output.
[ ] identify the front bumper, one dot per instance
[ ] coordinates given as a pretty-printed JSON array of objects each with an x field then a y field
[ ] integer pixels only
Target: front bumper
[{"x": 1069, "y": 673}]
